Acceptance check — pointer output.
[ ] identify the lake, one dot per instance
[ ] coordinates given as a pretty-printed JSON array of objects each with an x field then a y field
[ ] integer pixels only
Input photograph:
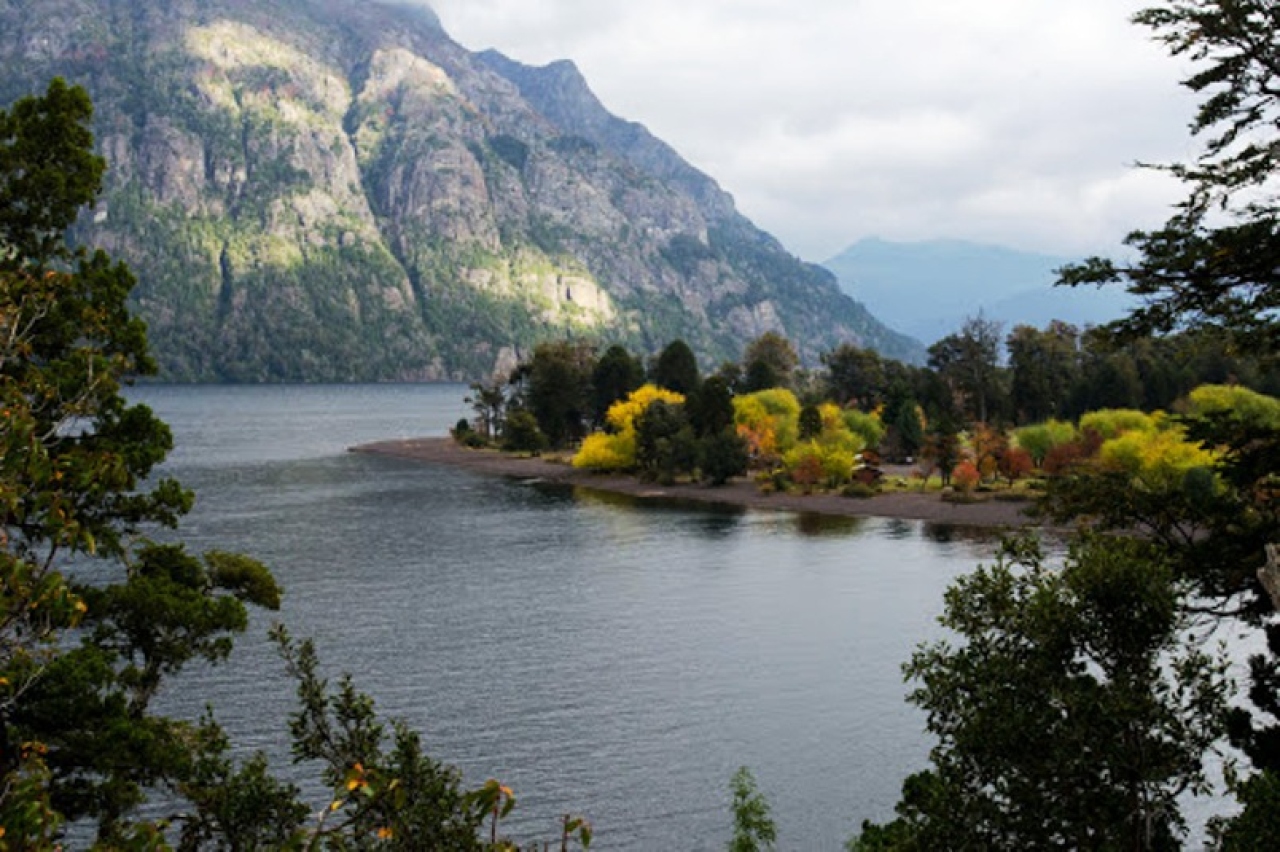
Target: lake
[{"x": 598, "y": 655}]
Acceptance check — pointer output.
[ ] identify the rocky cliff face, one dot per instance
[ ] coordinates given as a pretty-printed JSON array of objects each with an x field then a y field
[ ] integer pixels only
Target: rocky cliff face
[{"x": 334, "y": 190}]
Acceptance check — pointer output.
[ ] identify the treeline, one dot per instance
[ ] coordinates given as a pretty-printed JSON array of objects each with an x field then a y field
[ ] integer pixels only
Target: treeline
[{"x": 976, "y": 380}]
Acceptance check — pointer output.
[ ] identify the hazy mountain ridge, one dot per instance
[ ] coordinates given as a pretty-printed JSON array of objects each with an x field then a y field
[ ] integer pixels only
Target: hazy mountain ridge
[
  {"x": 927, "y": 289},
  {"x": 334, "y": 190}
]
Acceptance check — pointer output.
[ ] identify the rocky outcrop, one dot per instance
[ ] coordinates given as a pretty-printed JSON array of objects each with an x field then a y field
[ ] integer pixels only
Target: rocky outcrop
[{"x": 334, "y": 190}]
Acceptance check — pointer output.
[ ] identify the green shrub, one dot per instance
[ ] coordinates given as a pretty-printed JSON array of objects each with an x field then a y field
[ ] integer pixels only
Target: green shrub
[
  {"x": 858, "y": 491},
  {"x": 522, "y": 435}
]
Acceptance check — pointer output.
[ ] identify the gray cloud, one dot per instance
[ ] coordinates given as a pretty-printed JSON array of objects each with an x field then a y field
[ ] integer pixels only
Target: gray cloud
[{"x": 1012, "y": 121}]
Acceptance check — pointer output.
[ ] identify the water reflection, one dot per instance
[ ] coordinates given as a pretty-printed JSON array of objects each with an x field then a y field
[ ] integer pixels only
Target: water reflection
[
  {"x": 710, "y": 520},
  {"x": 898, "y": 529},
  {"x": 956, "y": 533},
  {"x": 815, "y": 525}
]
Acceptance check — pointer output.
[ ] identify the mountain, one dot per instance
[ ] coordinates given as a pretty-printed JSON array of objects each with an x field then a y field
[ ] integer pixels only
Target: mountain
[
  {"x": 927, "y": 289},
  {"x": 336, "y": 190}
]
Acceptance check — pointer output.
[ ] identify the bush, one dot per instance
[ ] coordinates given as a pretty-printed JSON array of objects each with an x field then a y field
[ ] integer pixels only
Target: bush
[
  {"x": 858, "y": 491},
  {"x": 466, "y": 436},
  {"x": 522, "y": 435},
  {"x": 605, "y": 452},
  {"x": 722, "y": 456},
  {"x": 966, "y": 476}
]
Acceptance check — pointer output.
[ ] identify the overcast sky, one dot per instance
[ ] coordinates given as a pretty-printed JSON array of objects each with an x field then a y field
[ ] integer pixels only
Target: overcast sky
[{"x": 1014, "y": 122}]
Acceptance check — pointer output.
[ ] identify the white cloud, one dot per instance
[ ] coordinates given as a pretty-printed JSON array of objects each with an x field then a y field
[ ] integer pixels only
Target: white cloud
[{"x": 1014, "y": 121}]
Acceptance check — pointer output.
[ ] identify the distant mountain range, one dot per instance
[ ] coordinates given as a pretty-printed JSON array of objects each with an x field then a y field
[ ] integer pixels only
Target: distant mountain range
[
  {"x": 335, "y": 190},
  {"x": 927, "y": 289}
]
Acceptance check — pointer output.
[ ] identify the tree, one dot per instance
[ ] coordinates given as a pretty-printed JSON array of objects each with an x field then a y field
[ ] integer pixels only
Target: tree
[
  {"x": 616, "y": 449},
  {"x": 941, "y": 451},
  {"x": 521, "y": 434},
  {"x": 1215, "y": 266},
  {"x": 770, "y": 355},
  {"x": 489, "y": 401},
  {"x": 1043, "y": 367},
  {"x": 399, "y": 798},
  {"x": 760, "y": 376},
  {"x": 722, "y": 456},
  {"x": 558, "y": 380},
  {"x": 968, "y": 361},
  {"x": 48, "y": 172},
  {"x": 1069, "y": 716},
  {"x": 810, "y": 423},
  {"x": 80, "y": 661},
  {"x": 665, "y": 443},
  {"x": 855, "y": 376},
  {"x": 710, "y": 410},
  {"x": 75, "y": 485},
  {"x": 614, "y": 377},
  {"x": 753, "y": 827},
  {"x": 1108, "y": 379},
  {"x": 676, "y": 369},
  {"x": 1214, "y": 263}
]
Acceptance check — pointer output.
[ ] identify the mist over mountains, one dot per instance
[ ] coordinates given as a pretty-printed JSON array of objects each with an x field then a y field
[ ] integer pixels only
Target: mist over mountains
[
  {"x": 330, "y": 190},
  {"x": 927, "y": 289}
]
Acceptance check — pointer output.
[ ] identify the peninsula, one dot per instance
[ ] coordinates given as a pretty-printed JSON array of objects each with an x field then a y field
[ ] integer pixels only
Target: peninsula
[{"x": 739, "y": 492}]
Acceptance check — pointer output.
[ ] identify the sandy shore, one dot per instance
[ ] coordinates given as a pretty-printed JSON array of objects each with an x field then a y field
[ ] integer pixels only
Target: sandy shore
[{"x": 912, "y": 506}]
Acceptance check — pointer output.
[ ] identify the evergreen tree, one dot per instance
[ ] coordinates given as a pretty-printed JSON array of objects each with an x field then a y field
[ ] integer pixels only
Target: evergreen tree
[
  {"x": 676, "y": 369},
  {"x": 1215, "y": 265},
  {"x": 557, "y": 390},
  {"x": 773, "y": 355},
  {"x": 75, "y": 466},
  {"x": 1070, "y": 716},
  {"x": 614, "y": 377}
]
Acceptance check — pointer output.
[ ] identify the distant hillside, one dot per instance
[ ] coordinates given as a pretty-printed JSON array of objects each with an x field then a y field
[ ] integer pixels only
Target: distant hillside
[
  {"x": 336, "y": 190},
  {"x": 927, "y": 289}
]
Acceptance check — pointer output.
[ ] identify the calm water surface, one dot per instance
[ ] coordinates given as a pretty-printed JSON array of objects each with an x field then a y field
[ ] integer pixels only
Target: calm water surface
[{"x": 598, "y": 655}]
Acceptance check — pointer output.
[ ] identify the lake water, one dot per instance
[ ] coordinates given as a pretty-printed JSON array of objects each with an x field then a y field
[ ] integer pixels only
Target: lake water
[{"x": 598, "y": 655}]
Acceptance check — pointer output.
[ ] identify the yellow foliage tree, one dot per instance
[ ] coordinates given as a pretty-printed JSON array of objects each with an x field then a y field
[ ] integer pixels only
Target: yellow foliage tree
[
  {"x": 769, "y": 421},
  {"x": 1159, "y": 459},
  {"x": 1246, "y": 405},
  {"x": 1113, "y": 422},
  {"x": 616, "y": 449},
  {"x": 832, "y": 459}
]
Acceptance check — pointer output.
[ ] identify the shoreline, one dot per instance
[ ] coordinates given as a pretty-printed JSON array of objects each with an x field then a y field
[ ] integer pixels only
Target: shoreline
[{"x": 990, "y": 514}]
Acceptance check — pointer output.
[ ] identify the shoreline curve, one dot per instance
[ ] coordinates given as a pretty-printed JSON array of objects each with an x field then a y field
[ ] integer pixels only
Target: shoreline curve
[{"x": 738, "y": 493}]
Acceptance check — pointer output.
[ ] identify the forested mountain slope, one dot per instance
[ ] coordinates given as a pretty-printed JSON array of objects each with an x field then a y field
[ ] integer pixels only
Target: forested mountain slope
[{"x": 335, "y": 190}]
